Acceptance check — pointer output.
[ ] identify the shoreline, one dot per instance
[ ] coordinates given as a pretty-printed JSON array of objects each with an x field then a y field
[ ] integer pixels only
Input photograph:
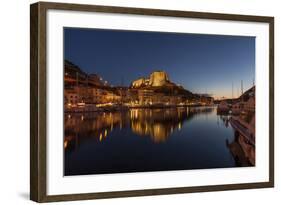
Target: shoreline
[{"x": 125, "y": 108}]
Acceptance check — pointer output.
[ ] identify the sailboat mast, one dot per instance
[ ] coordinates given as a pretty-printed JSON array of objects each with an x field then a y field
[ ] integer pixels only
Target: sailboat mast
[
  {"x": 242, "y": 90},
  {"x": 241, "y": 87},
  {"x": 232, "y": 93}
]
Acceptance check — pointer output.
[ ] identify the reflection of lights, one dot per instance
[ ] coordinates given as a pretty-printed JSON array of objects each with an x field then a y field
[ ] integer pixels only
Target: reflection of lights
[
  {"x": 104, "y": 104},
  {"x": 146, "y": 129},
  {"x": 82, "y": 117},
  {"x": 179, "y": 126},
  {"x": 154, "y": 123},
  {"x": 65, "y": 144},
  {"x": 159, "y": 133},
  {"x": 134, "y": 114},
  {"x": 82, "y": 104}
]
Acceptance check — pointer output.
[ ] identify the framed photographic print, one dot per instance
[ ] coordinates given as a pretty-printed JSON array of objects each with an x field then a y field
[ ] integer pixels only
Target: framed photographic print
[{"x": 134, "y": 102}]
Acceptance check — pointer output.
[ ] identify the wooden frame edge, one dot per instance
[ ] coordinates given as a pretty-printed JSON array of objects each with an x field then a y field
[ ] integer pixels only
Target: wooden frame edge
[
  {"x": 154, "y": 12},
  {"x": 38, "y": 112},
  {"x": 34, "y": 103},
  {"x": 155, "y": 192},
  {"x": 271, "y": 100},
  {"x": 37, "y": 102}
]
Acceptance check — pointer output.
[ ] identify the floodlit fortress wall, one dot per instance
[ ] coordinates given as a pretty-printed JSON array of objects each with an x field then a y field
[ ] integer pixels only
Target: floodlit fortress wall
[
  {"x": 157, "y": 78},
  {"x": 138, "y": 83}
]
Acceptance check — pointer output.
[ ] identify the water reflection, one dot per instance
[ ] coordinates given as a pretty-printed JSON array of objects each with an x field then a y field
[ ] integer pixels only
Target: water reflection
[
  {"x": 242, "y": 151},
  {"x": 158, "y": 124},
  {"x": 150, "y": 140}
]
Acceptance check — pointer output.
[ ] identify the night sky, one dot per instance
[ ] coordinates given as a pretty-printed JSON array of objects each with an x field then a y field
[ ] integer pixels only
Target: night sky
[{"x": 200, "y": 63}]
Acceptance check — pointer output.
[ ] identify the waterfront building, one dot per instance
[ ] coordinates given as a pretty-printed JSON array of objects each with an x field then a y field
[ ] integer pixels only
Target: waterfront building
[
  {"x": 94, "y": 79},
  {"x": 145, "y": 96},
  {"x": 206, "y": 100},
  {"x": 70, "y": 97},
  {"x": 97, "y": 95},
  {"x": 111, "y": 96},
  {"x": 83, "y": 94}
]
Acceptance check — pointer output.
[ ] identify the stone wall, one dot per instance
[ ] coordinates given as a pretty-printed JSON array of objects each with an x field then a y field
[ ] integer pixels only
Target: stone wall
[
  {"x": 157, "y": 78},
  {"x": 138, "y": 83}
]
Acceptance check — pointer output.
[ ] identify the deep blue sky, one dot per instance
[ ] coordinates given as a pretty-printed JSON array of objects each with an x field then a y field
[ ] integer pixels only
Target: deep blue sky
[{"x": 200, "y": 63}]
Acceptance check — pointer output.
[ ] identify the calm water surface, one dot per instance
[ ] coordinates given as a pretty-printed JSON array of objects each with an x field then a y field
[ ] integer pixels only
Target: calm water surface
[{"x": 148, "y": 140}]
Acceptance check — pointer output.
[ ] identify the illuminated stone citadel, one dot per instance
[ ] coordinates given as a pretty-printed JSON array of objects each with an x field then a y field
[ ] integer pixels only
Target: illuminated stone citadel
[{"x": 157, "y": 78}]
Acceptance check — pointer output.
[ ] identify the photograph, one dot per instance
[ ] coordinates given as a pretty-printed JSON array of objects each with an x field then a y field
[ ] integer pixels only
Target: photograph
[{"x": 150, "y": 101}]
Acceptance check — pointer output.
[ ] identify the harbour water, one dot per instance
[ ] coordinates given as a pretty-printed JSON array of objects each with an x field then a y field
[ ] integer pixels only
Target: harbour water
[{"x": 139, "y": 140}]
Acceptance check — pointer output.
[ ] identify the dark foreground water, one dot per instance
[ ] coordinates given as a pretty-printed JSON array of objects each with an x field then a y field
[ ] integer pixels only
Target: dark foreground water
[{"x": 149, "y": 140}]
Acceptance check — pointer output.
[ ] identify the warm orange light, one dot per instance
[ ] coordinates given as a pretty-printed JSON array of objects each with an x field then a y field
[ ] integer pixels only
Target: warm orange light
[
  {"x": 179, "y": 126},
  {"x": 82, "y": 104},
  {"x": 65, "y": 144}
]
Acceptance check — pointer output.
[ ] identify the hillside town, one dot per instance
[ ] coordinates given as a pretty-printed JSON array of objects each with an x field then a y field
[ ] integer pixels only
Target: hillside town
[{"x": 90, "y": 92}]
